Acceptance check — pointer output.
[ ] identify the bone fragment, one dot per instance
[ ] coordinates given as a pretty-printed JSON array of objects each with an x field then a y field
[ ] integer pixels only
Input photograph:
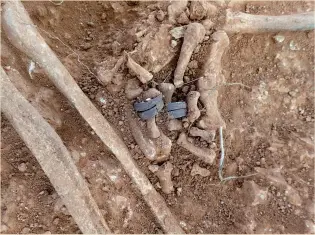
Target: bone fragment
[
  {"x": 206, "y": 155},
  {"x": 239, "y": 22},
  {"x": 205, "y": 135},
  {"x": 197, "y": 170},
  {"x": 212, "y": 77},
  {"x": 22, "y": 33},
  {"x": 165, "y": 177},
  {"x": 143, "y": 74},
  {"x": 194, "y": 35},
  {"x": 145, "y": 144}
]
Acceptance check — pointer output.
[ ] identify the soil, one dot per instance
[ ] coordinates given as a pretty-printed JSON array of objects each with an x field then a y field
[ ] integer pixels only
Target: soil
[{"x": 269, "y": 126}]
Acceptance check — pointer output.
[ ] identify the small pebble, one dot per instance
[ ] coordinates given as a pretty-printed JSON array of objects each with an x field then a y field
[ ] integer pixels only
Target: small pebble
[
  {"x": 56, "y": 221},
  {"x": 185, "y": 89},
  {"x": 185, "y": 124},
  {"x": 160, "y": 15},
  {"x": 179, "y": 191},
  {"x": 22, "y": 167},
  {"x": 90, "y": 24},
  {"x": 293, "y": 46},
  {"x": 120, "y": 123},
  {"x": 153, "y": 168},
  {"x": 103, "y": 17},
  {"x": 279, "y": 38},
  {"x": 105, "y": 189},
  {"x": 186, "y": 79},
  {"x": 173, "y": 43},
  {"x": 26, "y": 230}
]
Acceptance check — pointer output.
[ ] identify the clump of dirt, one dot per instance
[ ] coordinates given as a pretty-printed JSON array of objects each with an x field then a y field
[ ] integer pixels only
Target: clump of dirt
[{"x": 269, "y": 123}]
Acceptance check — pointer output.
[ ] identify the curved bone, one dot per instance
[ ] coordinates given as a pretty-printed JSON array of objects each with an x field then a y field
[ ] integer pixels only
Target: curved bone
[
  {"x": 206, "y": 155},
  {"x": 238, "y": 22},
  {"x": 167, "y": 90},
  {"x": 206, "y": 135},
  {"x": 212, "y": 77},
  {"x": 194, "y": 35},
  {"x": 146, "y": 145},
  {"x": 143, "y": 74},
  {"x": 53, "y": 157},
  {"x": 165, "y": 177},
  {"x": 193, "y": 110},
  {"x": 23, "y": 35}
]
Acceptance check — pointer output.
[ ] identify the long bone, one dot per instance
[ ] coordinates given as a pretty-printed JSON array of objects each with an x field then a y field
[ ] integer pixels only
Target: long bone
[
  {"x": 239, "y": 22},
  {"x": 23, "y": 34},
  {"x": 53, "y": 157},
  {"x": 207, "y": 84},
  {"x": 194, "y": 35}
]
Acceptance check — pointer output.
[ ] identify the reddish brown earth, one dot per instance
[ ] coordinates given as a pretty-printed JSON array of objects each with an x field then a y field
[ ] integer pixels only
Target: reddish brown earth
[{"x": 269, "y": 126}]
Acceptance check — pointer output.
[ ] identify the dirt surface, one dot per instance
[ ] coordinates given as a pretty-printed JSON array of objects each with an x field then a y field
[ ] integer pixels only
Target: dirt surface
[{"x": 269, "y": 125}]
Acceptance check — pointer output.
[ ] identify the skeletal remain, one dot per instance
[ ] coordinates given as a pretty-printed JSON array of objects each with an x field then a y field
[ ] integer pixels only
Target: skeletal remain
[
  {"x": 174, "y": 125},
  {"x": 143, "y": 74},
  {"x": 193, "y": 110},
  {"x": 211, "y": 78},
  {"x": 153, "y": 129},
  {"x": 105, "y": 76},
  {"x": 23, "y": 34},
  {"x": 167, "y": 90},
  {"x": 164, "y": 147},
  {"x": 133, "y": 89},
  {"x": 197, "y": 170},
  {"x": 53, "y": 157},
  {"x": 165, "y": 177},
  {"x": 238, "y": 22},
  {"x": 145, "y": 144},
  {"x": 205, "y": 135},
  {"x": 207, "y": 23},
  {"x": 175, "y": 9},
  {"x": 183, "y": 18},
  {"x": 206, "y": 155},
  {"x": 43, "y": 99},
  {"x": 153, "y": 168},
  {"x": 194, "y": 35}
]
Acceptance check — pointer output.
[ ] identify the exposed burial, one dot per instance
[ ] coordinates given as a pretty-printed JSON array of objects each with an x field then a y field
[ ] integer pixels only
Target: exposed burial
[{"x": 157, "y": 117}]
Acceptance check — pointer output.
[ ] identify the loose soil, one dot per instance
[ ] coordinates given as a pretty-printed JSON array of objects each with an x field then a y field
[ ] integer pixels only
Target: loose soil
[{"x": 269, "y": 126}]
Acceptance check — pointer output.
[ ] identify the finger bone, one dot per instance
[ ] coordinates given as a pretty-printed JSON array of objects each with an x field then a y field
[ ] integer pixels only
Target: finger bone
[
  {"x": 143, "y": 74},
  {"x": 206, "y": 155}
]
